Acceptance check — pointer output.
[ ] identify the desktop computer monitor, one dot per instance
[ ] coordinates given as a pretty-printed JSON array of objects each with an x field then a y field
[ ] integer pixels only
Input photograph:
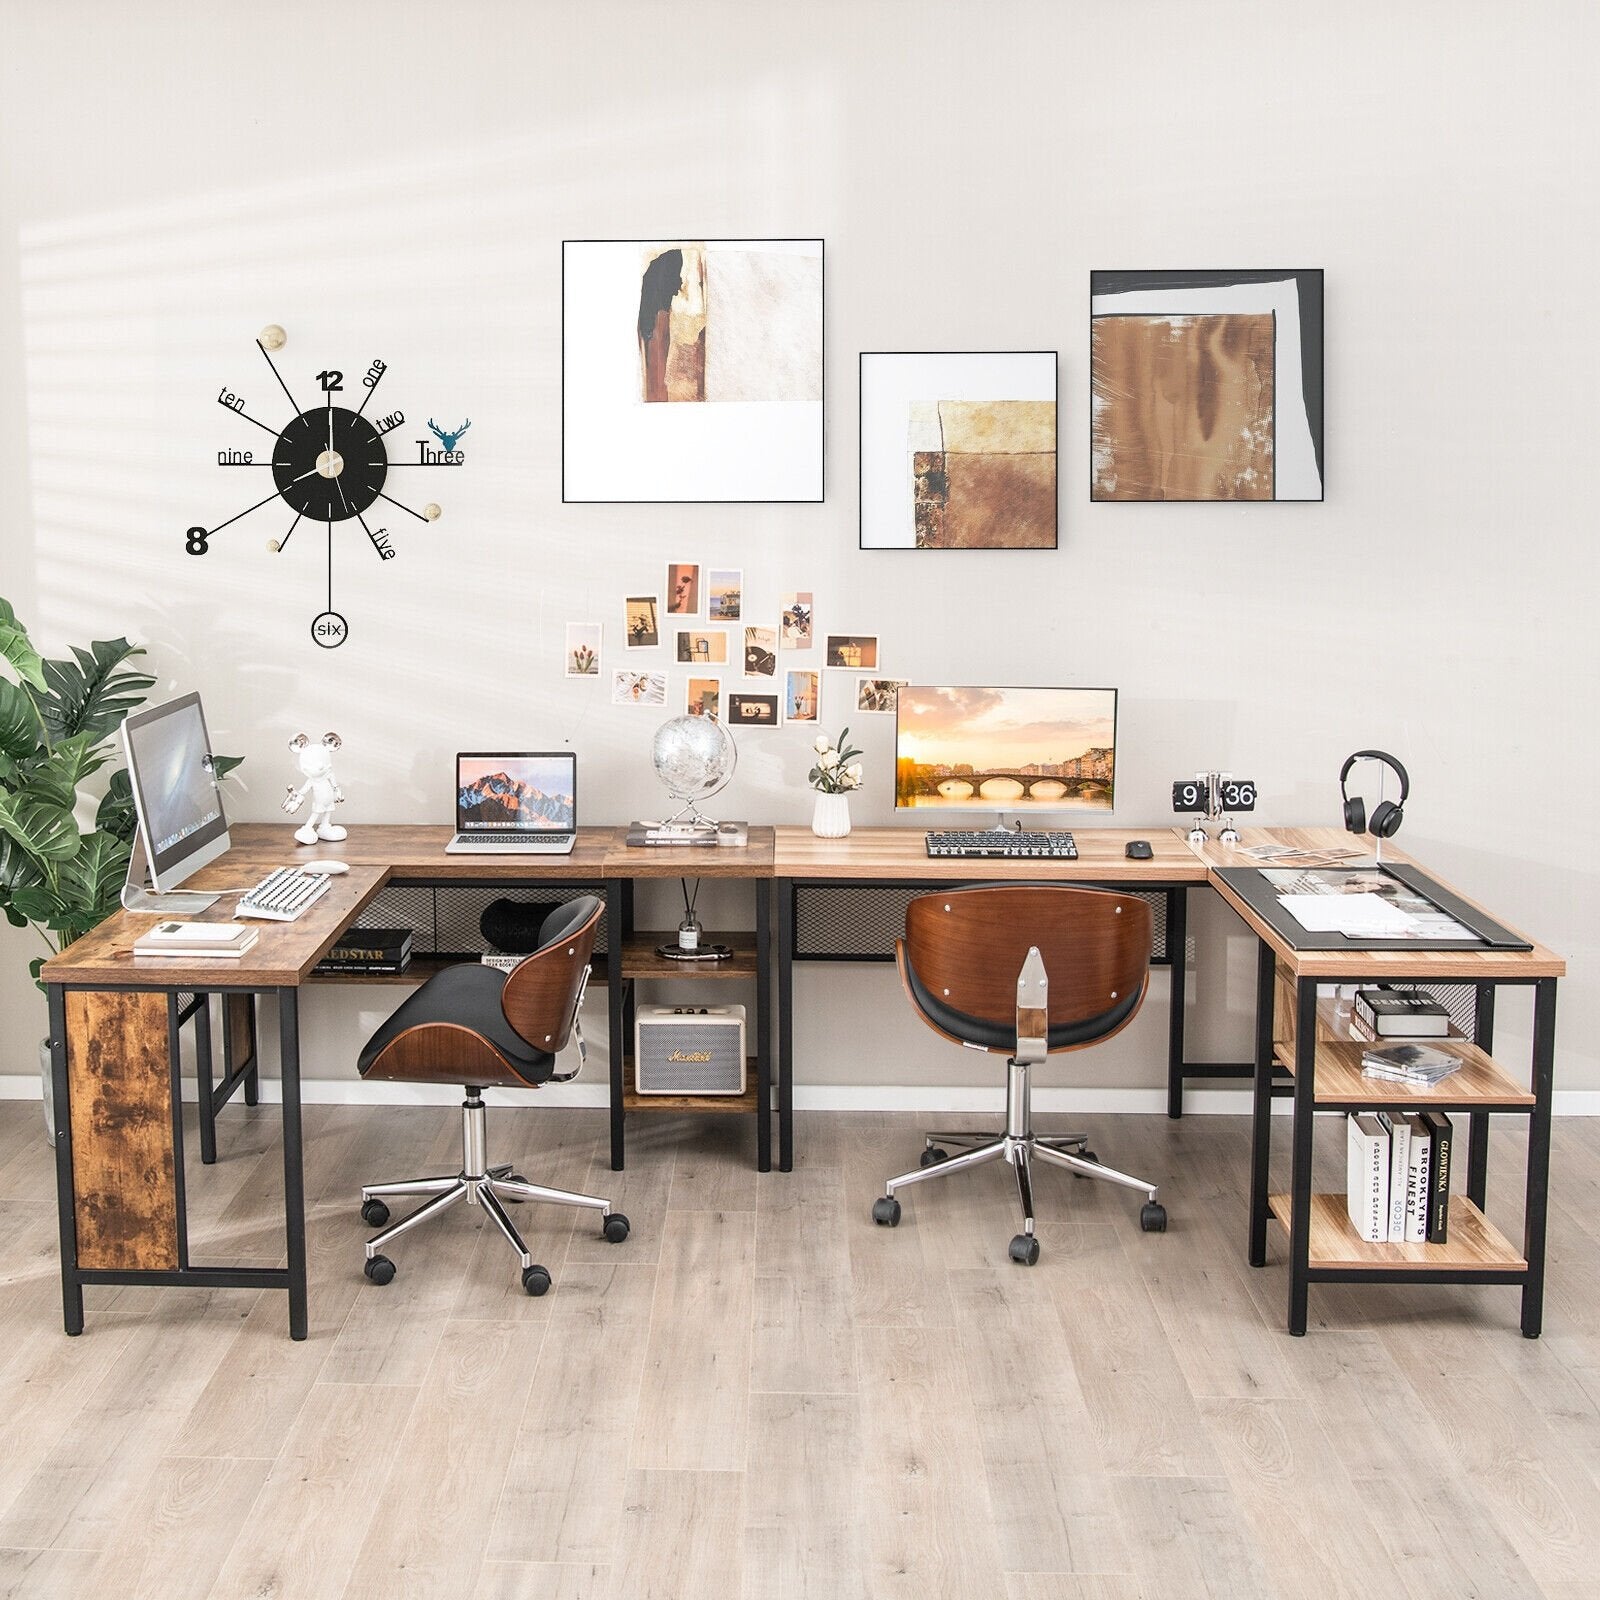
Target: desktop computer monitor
[
  {"x": 177, "y": 802},
  {"x": 973, "y": 748}
]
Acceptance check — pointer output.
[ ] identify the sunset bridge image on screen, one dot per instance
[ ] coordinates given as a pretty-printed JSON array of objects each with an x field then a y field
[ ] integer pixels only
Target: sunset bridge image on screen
[{"x": 1013, "y": 749}]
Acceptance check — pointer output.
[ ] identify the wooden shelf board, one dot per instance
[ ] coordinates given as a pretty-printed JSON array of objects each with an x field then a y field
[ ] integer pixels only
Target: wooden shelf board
[
  {"x": 1474, "y": 1241},
  {"x": 1336, "y": 1023},
  {"x": 639, "y": 958},
  {"x": 423, "y": 967},
  {"x": 632, "y": 1100},
  {"x": 1479, "y": 1084}
]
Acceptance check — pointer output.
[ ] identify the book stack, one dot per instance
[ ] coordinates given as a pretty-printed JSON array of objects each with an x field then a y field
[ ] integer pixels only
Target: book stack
[
  {"x": 1398, "y": 1176},
  {"x": 206, "y": 941},
  {"x": 1399, "y": 1014},
  {"x": 1421, "y": 1065},
  {"x": 368, "y": 950}
]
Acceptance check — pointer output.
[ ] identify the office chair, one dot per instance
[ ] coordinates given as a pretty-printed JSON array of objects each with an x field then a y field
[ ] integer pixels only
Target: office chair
[
  {"x": 481, "y": 1027},
  {"x": 1028, "y": 970}
]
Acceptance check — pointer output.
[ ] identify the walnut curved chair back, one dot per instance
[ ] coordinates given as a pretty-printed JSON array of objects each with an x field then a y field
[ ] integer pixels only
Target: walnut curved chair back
[
  {"x": 466, "y": 1025},
  {"x": 964, "y": 948}
]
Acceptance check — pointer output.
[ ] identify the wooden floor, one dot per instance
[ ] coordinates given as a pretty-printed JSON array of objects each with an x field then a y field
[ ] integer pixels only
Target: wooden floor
[{"x": 760, "y": 1394}]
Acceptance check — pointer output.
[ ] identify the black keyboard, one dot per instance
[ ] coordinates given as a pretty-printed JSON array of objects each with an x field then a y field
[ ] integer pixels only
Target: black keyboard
[{"x": 1054, "y": 845}]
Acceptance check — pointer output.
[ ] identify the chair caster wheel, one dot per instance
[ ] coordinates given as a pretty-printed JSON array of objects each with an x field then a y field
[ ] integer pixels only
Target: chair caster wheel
[
  {"x": 374, "y": 1213},
  {"x": 615, "y": 1228},
  {"x": 886, "y": 1211},
  {"x": 514, "y": 1199},
  {"x": 380, "y": 1269},
  {"x": 1153, "y": 1217},
  {"x": 535, "y": 1280},
  {"x": 932, "y": 1156},
  {"x": 1025, "y": 1250}
]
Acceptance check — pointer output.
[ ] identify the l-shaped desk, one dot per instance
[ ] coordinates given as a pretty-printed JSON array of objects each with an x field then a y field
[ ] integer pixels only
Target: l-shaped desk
[{"x": 115, "y": 1021}]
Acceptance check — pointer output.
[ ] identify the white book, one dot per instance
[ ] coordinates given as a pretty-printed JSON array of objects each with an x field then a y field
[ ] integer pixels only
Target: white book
[
  {"x": 1399, "y": 1131},
  {"x": 1367, "y": 1177},
  {"x": 213, "y": 940},
  {"x": 1419, "y": 1176}
]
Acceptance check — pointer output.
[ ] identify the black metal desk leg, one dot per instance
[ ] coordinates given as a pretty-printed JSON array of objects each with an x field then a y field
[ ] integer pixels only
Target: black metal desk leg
[
  {"x": 785, "y": 892},
  {"x": 1478, "y": 1139},
  {"x": 1261, "y": 1103},
  {"x": 1305, "y": 1121},
  {"x": 294, "y": 1195},
  {"x": 71, "y": 1289},
  {"x": 616, "y": 919},
  {"x": 763, "y": 1028},
  {"x": 1178, "y": 955},
  {"x": 1533, "y": 1228},
  {"x": 203, "y": 1081}
]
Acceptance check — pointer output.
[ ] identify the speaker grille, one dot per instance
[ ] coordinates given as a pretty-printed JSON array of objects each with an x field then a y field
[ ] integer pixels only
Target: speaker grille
[{"x": 722, "y": 1041}]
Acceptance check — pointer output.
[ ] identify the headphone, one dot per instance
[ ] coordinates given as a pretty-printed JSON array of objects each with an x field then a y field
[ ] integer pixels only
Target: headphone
[{"x": 1387, "y": 815}]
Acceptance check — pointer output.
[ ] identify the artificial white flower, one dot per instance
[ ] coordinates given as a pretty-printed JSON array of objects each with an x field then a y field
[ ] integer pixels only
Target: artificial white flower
[
  {"x": 821, "y": 742},
  {"x": 828, "y": 760},
  {"x": 854, "y": 771}
]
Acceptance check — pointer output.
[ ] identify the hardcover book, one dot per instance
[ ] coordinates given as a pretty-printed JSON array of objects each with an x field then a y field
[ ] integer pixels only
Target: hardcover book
[
  {"x": 1402, "y": 1013},
  {"x": 1367, "y": 1177}
]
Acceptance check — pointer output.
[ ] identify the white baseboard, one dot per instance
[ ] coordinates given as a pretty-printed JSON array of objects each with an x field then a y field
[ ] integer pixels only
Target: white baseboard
[{"x": 807, "y": 1097}]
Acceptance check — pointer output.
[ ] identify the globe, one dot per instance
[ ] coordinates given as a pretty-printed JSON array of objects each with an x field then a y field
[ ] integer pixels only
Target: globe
[{"x": 694, "y": 757}]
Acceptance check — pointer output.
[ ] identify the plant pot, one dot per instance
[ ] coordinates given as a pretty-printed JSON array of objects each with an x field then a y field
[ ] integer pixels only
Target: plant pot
[{"x": 830, "y": 819}]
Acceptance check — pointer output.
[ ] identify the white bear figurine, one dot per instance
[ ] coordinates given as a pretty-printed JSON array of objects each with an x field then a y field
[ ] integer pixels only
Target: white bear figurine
[{"x": 316, "y": 766}]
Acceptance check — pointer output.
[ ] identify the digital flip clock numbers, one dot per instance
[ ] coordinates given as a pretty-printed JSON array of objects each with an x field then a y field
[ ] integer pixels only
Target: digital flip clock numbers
[
  {"x": 329, "y": 465},
  {"x": 1213, "y": 795}
]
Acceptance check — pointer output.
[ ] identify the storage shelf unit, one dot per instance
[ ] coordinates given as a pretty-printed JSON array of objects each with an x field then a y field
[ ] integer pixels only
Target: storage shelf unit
[{"x": 1474, "y": 1244}]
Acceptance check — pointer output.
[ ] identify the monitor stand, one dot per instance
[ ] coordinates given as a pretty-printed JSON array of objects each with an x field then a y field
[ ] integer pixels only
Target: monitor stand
[{"x": 139, "y": 894}]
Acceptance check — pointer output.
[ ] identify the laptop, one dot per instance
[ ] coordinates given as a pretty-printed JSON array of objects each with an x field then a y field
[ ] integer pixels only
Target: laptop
[{"x": 515, "y": 805}]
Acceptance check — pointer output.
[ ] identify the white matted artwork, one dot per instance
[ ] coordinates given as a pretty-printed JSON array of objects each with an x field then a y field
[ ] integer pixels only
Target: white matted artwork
[
  {"x": 858, "y": 650},
  {"x": 703, "y": 647},
  {"x": 958, "y": 450},
  {"x": 638, "y": 688},
  {"x": 691, "y": 370},
  {"x": 583, "y": 650},
  {"x": 797, "y": 621},
  {"x": 802, "y": 695},
  {"x": 760, "y": 650},
  {"x": 702, "y": 697},
  {"x": 879, "y": 694}
]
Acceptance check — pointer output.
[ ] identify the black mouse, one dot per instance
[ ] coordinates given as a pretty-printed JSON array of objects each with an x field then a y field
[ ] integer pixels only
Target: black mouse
[{"x": 1138, "y": 850}]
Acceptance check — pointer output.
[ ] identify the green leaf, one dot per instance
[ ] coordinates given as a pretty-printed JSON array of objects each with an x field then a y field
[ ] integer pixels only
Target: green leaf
[
  {"x": 18, "y": 649},
  {"x": 116, "y": 815},
  {"x": 20, "y": 731},
  {"x": 92, "y": 880},
  {"x": 91, "y": 694},
  {"x": 38, "y": 904},
  {"x": 34, "y": 966},
  {"x": 18, "y": 870},
  {"x": 221, "y": 766},
  {"x": 45, "y": 830}
]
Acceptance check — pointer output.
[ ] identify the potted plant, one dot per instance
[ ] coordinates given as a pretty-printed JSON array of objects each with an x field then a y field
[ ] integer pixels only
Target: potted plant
[{"x": 834, "y": 775}]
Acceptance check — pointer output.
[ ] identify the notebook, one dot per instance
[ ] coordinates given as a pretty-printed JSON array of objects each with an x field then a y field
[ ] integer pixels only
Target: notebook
[{"x": 523, "y": 804}]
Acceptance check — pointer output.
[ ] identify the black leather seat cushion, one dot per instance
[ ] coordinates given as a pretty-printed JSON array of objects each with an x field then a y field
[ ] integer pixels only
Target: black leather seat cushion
[
  {"x": 1003, "y": 1035},
  {"x": 467, "y": 995}
]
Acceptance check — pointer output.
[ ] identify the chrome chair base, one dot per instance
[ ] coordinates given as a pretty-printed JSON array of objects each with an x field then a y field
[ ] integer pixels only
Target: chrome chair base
[{"x": 480, "y": 1185}]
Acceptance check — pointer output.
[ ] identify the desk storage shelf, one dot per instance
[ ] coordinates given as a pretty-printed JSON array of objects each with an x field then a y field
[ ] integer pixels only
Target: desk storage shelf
[
  {"x": 632, "y": 1100},
  {"x": 640, "y": 960},
  {"x": 1475, "y": 1246}
]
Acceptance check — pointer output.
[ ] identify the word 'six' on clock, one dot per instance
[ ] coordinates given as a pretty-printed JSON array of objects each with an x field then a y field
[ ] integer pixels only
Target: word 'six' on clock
[{"x": 330, "y": 465}]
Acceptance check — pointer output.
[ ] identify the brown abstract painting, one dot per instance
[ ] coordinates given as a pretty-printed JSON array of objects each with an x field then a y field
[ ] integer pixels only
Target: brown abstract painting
[
  {"x": 1183, "y": 407},
  {"x": 984, "y": 477}
]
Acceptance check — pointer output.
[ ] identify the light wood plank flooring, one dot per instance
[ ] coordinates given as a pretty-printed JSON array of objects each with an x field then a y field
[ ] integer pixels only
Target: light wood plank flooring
[{"x": 762, "y": 1396}]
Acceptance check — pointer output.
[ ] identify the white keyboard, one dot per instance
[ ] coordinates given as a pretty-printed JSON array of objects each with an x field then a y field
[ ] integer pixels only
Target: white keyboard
[{"x": 283, "y": 895}]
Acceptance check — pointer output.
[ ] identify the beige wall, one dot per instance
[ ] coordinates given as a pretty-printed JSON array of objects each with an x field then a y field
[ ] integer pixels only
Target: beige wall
[{"x": 396, "y": 180}]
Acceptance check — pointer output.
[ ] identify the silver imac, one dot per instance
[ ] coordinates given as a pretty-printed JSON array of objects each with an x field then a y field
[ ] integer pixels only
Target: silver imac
[{"x": 178, "y": 803}]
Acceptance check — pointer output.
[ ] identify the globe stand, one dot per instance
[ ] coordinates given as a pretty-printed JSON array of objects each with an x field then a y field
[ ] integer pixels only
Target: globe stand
[{"x": 694, "y": 758}]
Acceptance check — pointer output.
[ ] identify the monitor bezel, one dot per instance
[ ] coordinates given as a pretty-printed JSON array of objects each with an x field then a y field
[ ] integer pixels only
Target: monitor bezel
[
  {"x": 1025, "y": 808},
  {"x": 513, "y": 755},
  {"x": 181, "y": 861}
]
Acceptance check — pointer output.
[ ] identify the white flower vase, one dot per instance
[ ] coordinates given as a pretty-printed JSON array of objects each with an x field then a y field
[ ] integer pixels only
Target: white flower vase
[{"x": 831, "y": 817}]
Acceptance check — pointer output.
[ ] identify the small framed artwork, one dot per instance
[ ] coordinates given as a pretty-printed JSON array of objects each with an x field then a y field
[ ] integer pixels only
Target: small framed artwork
[
  {"x": 958, "y": 450},
  {"x": 794, "y": 626},
  {"x": 691, "y": 370},
  {"x": 879, "y": 694},
  {"x": 702, "y": 697},
  {"x": 802, "y": 696},
  {"x": 760, "y": 651},
  {"x": 703, "y": 647},
  {"x": 724, "y": 586},
  {"x": 643, "y": 625},
  {"x": 583, "y": 650},
  {"x": 638, "y": 688},
  {"x": 1205, "y": 385},
  {"x": 859, "y": 650},
  {"x": 752, "y": 711},
  {"x": 683, "y": 589}
]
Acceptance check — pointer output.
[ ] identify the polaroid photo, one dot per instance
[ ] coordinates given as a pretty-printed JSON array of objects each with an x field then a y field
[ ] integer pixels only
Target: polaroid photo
[
  {"x": 638, "y": 688},
  {"x": 802, "y": 696},
  {"x": 879, "y": 694},
  {"x": 760, "y": 651},
  {"x": 724, "y": 594},
  {"x": 642, "y": 629},
  {"x": 683, "y": 588},
  {"x": 703, "y": 647},
  {"x": 859, "y": 650},
  {"x": 583, "y": 650},
  {"x": 752, "y": 711},
  {"x": 794, "y": 631},
  {"x": 702, "y": 697}
]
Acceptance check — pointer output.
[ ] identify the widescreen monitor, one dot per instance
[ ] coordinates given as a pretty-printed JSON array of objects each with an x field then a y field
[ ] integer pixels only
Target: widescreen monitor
[
  {"x": 992, "y": 749},
  {"x": 176, "y": 798}
]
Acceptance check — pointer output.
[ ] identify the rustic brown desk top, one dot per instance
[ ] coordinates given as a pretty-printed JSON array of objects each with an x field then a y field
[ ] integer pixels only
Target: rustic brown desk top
[
  {"x": 1463, "y": 966},
  {"x": 890, "y": 853},
  {"x": 753, "y": 860}
]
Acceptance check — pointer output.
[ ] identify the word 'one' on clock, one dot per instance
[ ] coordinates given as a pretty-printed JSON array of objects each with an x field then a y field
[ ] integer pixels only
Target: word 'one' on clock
[{"x": 330, "y": 463}]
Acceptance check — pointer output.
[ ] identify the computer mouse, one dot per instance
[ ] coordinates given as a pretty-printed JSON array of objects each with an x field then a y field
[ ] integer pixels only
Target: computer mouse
[
  {"x": 328, "y": 869},
  {"x": 1138, "y": 850}
]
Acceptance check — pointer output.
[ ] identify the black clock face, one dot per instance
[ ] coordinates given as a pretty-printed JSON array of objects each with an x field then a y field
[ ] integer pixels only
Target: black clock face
[{"x": 329, "y": 463}]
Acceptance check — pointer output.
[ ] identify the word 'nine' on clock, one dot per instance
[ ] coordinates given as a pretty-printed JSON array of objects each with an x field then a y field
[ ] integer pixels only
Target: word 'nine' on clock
[
  {"x": 430, "y": 456},
  {"x": 236, "y": 458}
]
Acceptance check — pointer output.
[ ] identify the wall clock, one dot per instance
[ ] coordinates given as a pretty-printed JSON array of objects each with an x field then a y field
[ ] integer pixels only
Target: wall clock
[{"x": 330, "y": 465}]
